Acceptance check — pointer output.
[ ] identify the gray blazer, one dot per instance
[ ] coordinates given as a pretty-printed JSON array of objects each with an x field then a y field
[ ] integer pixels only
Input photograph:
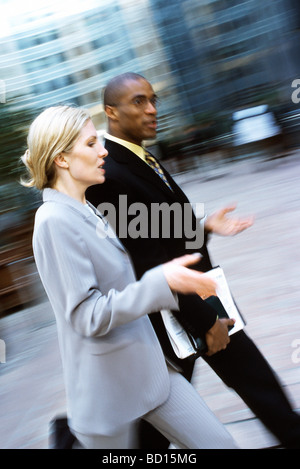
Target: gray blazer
[{"x": 113, "y": 364}]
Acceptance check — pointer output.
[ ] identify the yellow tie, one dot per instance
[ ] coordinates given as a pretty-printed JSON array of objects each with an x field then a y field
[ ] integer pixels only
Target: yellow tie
[{"x": 157, "y": 168}]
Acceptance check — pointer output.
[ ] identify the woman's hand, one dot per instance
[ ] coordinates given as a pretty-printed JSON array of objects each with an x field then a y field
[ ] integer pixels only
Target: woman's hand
[{"x": 187, "y": 281}]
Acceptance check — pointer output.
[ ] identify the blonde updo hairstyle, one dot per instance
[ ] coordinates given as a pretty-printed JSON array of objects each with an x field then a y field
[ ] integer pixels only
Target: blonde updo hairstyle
[{"x": 52, "y": 132}]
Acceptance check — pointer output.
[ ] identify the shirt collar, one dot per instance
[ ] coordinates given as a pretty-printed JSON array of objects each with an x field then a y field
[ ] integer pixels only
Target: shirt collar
[{"x": 136, "y": 149}]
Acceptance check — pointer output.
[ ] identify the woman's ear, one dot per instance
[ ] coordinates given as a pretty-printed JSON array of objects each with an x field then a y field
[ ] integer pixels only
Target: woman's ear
[{"x": 61, "y": 161}]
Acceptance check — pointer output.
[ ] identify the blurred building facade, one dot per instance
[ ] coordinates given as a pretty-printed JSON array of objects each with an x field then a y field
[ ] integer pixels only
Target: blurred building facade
[
  {"x": 222, "y": 51},
  {"x": 206, "y": 59},
  {"x": 69, "y": 59},
  {"x": 202, "y": 56}
]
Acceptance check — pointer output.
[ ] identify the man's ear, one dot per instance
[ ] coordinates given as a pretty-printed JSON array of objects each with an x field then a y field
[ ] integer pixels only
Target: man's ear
[
  {"x": 61, "y": 161},
  {"x": 111, "y": 112}
]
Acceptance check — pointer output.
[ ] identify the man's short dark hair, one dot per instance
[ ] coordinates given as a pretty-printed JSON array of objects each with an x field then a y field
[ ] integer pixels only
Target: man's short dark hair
[{"x": 114, "y": 87}]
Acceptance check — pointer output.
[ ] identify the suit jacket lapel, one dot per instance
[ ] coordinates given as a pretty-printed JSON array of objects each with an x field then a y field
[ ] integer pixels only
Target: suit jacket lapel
[
  {"x": 139, "y": 167},
  {"x": 104, "y": 232}
]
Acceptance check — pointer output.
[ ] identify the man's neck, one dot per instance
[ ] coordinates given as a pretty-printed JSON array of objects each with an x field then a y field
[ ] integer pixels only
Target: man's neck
[{"x": 135, "y": 148}]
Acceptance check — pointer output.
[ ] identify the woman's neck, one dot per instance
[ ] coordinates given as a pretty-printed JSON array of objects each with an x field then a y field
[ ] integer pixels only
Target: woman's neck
[{"x": 70, "y": 189}]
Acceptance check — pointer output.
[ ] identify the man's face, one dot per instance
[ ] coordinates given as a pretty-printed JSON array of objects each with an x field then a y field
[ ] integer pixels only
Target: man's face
[{"x": 135, "y": 113}]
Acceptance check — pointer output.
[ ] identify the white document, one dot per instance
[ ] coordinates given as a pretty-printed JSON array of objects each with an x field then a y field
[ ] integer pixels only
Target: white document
[
  {"x": 226, "y": 299},
  {"x": 179, "y": 339}
]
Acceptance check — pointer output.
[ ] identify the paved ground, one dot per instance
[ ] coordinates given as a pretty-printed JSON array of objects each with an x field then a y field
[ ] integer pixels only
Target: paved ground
[{"x": 263, "y": 269}]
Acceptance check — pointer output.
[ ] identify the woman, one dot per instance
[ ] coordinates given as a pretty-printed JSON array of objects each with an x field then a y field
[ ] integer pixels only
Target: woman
[{"x": 114, "y": 368}]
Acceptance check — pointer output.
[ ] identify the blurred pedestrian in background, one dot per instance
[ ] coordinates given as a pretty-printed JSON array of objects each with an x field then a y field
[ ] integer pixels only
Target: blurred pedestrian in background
[
  {"x": 131, "y": 108},
  {"x": 115, "y": 371}
]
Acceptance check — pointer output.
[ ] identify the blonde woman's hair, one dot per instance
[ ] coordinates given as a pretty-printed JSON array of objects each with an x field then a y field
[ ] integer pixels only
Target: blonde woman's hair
[{"x": 52, "y": 132}]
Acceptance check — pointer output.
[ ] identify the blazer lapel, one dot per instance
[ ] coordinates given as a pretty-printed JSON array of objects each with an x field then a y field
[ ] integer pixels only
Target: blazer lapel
[
  {"x": 139, "y": 168},
  {"x": 103, "y": 228}
]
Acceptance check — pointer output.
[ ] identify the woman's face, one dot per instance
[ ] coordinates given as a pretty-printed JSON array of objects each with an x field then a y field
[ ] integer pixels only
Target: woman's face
[{"x": 86, "y": 159}]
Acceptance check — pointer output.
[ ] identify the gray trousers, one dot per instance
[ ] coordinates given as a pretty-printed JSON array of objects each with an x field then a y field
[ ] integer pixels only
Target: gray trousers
[{"x": 183, "y": 418}]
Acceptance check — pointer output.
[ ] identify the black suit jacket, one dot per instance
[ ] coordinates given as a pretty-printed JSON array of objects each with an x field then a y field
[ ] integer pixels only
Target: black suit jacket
[{"x": 132, "y": 179}]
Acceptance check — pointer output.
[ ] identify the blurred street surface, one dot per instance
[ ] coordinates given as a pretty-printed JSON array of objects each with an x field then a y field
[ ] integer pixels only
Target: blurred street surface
[{"x": 262, "y": 266}]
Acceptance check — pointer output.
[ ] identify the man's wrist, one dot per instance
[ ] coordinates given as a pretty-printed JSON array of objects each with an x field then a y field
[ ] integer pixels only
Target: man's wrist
[{"x": 206, "y": 224}]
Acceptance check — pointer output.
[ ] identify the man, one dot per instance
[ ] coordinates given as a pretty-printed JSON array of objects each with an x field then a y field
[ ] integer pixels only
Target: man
[{"x": 130, "y": 106}]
